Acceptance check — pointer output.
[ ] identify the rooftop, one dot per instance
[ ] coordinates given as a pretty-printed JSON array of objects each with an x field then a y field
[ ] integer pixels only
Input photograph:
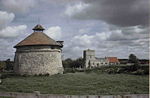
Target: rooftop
[
  {"x": 38, "y": 27},
  {"x": 112, "y": 59},
  {"x": 37, "y": 38}
]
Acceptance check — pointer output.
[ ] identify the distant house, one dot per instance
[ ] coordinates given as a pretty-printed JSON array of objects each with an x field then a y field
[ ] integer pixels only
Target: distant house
[
  {"x": 113, "y": 60},
  {"x": 102, "y": 61},
  {"x": 91, "y": 61}
]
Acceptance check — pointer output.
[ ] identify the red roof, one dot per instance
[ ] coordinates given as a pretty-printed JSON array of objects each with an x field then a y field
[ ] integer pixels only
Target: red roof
[{"x": 113, "y": 59}]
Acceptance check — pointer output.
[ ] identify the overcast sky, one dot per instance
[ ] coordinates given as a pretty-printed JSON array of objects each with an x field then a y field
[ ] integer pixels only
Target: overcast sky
[{"x": 111, "y": 27}]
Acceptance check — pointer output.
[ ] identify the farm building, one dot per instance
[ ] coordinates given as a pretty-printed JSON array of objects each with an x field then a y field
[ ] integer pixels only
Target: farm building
[{"x": 38, "y": 54}]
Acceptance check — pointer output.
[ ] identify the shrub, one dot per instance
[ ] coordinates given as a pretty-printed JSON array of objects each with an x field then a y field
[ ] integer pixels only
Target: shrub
[
  {"x": 95, "y": 70},
  {"x": 119, "y": 70},
  {"x": 47, "y": 74},
  {"x": 69, "y": 70},
  {"x": 79, "y": 70},
  {"x": 24, "y": 75},
  {"x": 132, "y": 69},
  {"x": 146, "y": 69},
  {"x": 110, "y": 70},
  {"x": 87, "y": 70},
  {"x": 138, "y": 72}
]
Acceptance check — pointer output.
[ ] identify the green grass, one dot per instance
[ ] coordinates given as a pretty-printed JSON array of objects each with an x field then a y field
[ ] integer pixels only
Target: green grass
[
  {"x": 5, "y": 97},
  {"x": 78, "y": 83}
]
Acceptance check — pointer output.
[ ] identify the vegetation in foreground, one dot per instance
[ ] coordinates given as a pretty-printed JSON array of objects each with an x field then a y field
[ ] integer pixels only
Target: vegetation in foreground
[
  {"x": 78, "y": 83},
  {"x": 121, "y": 79},
  {"x": 5, "y": 97}
]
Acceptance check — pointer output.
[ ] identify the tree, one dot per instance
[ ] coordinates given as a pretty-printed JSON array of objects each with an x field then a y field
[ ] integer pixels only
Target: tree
[
  {"x": 67, "y": 63},
  {"x": 134, "y": 60},
  {"x": 2, "y": 65},
  {"x": 78, "y": 63},
  {"x": 9, "y": 65}
]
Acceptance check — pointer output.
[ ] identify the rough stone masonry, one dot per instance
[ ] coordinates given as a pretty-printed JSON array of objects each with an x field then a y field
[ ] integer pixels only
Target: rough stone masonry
[{"x": 38, "y": 54}]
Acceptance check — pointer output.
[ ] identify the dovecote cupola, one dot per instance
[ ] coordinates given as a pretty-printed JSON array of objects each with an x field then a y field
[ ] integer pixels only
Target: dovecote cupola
[{"x": 38, "y": 28}]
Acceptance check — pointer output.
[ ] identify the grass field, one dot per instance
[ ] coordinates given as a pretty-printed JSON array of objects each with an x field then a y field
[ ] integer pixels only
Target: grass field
[
  {"x": 78, "y": 83},
  {"x": 5, "y": 97}
]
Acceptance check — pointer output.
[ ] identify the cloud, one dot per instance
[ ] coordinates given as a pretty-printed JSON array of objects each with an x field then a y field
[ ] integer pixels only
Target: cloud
[
  {"x": 71, "y": 10},
  {"x": 85, "y": 30},
  {"x": 17, "y": 6},
  {"x": 89, "y": 40},
  {"x": 8, "y": 34},
  {"x": 7, "y": 31},
  {"x": 5, "y": 18},
  {"x": 54, "y": 32},
  {"x": 12, "y": 31},
  {"x": 75, "y": 46},
  {"x": 94, "y": 33},
  {"x": 120, "y": 42},
  {"x": 129, "y": 33},
  {"x": 116, "y": 12},
  {"x": 6, "y": 49},
  {"x": 83, "y": 40}
]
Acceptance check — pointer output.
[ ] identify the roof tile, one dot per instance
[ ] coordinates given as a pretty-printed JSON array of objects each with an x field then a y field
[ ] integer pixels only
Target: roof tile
[
  {"x": 37, "y": 38},
  {"x": 113, "y": 59}
]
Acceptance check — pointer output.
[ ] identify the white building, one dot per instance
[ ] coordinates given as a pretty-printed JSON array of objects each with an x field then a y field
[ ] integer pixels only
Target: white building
[{"x": 91, "y": 61}]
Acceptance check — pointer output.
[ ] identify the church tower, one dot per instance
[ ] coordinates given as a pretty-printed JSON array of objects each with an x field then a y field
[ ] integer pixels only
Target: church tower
[{"x": 89, "y": 57}]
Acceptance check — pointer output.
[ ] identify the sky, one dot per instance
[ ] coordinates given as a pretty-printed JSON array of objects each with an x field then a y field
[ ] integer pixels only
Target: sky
[{"x": 110, "y": 27}]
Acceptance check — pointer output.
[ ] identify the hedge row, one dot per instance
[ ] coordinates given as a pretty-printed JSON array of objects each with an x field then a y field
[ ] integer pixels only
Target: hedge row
[{"x": 114, "y": 69}]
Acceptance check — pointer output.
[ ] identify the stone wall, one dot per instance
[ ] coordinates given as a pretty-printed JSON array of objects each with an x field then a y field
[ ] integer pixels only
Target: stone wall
[
  {"x": 88, "y": 55},
  {"x": 38, "y": 60},
  {"x": 38, "y": 95}
]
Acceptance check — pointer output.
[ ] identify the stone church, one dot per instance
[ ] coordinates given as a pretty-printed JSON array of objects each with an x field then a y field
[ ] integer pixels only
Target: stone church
[
  {"x": 91, "y": 61},
  {"x": 38, "y": 54}
]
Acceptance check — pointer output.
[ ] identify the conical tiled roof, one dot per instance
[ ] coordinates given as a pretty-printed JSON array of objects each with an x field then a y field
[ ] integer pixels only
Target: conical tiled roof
[{"x": 37, "y": 38}]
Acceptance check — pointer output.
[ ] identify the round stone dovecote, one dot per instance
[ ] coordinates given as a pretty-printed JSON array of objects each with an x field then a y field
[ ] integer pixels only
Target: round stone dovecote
[{"x": 38, "y": 54}]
